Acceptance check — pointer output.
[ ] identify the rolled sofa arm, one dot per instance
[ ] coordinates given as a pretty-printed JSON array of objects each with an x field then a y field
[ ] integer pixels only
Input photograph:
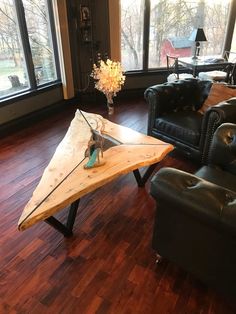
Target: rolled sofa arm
[
  {"x": 224, "y": 112},
  {"x": 195, "y": 197},
  {"x": 223, "y": 147},
  {"x": 225, "y": 109}
]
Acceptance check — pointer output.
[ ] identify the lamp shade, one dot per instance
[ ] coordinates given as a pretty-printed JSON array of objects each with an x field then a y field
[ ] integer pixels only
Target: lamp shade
[{"x": 198, "y": 35}]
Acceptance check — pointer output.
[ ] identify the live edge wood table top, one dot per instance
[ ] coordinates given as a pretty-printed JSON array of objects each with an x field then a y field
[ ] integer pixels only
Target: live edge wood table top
[{"x": 65, "y": 180}]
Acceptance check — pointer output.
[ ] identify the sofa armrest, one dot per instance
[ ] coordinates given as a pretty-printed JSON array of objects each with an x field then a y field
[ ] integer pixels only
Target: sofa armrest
[
  {"x": 195, "y": 197},
  {"x": 225, "y": 109},
  {"x": 223, "y": 147},
  {"x": 212, "y": 119}
]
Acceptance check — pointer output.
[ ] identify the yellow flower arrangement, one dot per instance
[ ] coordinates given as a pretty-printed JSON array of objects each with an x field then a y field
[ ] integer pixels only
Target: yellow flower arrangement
[{"x": 109, "y": 78}]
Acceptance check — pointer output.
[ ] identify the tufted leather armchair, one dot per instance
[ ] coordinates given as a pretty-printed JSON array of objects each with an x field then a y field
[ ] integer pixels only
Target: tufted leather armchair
[
  {"x": 195, "y": 224},
  {"x": 174, "y": 117}
]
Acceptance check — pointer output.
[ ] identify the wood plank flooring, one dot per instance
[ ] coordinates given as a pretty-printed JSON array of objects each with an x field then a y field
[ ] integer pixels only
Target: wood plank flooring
[{"x": 108, "y": 266}]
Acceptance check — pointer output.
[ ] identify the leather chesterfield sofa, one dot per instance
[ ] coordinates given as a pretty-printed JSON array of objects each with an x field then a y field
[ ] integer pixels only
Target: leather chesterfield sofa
[
  {"x": 174, "y": 115},
  {"x": 195, "y": 223}
]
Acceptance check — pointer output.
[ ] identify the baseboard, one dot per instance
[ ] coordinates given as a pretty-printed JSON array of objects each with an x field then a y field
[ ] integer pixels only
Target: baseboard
[{"x": 35, "y": 116}]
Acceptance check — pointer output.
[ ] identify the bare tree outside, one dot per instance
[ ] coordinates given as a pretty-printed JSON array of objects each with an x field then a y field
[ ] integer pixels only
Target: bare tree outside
[
  {"x": 173, "y": 21},
  {"x": 132, "y": 33}
]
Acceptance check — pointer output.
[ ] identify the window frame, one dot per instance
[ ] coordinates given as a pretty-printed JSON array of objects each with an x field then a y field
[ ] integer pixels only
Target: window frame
[
  {"x": 33, "y": 88},
  {"x": 146, "y": 31}
]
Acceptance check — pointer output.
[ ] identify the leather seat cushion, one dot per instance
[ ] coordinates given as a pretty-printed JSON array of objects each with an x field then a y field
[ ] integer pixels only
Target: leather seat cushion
[
  {"x": 217, "y": 176},
  {"x": 183, "y": 126}
]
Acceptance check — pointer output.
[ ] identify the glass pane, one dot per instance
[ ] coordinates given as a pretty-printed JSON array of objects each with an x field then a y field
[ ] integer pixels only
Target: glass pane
[
  {"x": 132, "y": 12},
  {"x": 37, "y": 20},
  {"x": 172, "y": 22},
  {"x": 13, "y": 76}
]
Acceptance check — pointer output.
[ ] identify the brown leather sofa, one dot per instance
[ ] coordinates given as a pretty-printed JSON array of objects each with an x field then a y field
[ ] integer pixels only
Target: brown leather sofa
[
  {"x": 195, "y": 224},
  {"x": 174, "y": 116}
]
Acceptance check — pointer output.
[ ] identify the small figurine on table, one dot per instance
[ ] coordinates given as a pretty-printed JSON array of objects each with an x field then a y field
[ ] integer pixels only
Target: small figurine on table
[{"x": 94, "y": 150}]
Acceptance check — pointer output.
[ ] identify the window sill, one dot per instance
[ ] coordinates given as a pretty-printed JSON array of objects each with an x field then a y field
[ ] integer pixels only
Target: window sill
[
  {"x": 146, "y": 72},
  {"x": 29, "y": 93}
]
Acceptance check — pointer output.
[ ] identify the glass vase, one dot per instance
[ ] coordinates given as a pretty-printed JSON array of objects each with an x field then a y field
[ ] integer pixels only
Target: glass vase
[{"x": 110, "y": 105}]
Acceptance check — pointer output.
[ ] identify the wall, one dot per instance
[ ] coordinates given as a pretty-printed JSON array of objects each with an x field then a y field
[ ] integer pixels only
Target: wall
[{"x": 30, "y": 104}]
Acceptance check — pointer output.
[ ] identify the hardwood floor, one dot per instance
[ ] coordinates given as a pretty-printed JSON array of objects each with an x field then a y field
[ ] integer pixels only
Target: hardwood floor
[{"x": 108, "y": 266}]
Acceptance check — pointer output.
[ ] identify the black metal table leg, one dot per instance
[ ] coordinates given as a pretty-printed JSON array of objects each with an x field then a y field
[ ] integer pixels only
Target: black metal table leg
[
  {"x": 141, "y": 180},
  {"x": 65, "y": 229}
]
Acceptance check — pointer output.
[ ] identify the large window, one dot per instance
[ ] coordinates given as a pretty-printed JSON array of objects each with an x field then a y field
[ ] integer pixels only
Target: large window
[
  {"x": 152, "y": 28},
  {"x": 27, "y": 48}
]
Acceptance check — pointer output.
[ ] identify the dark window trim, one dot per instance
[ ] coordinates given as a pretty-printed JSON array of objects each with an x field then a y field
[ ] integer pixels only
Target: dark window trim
[
  {"x": 155, "y": 71},
  {"x": 53, "y": 34},
  {"x": 146, "y": 27},
  {"x": 20, "y": 12}
]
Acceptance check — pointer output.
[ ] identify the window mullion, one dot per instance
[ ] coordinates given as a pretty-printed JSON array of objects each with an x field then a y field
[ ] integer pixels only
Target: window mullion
[
  {"x": 53, "y": 32},
  {"x": 146, "y": 34},
  {"x": 25, "y": 42}
]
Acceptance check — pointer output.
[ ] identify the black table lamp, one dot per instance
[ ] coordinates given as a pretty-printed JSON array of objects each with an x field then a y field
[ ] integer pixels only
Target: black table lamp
[{"x": 197, "y": 36}]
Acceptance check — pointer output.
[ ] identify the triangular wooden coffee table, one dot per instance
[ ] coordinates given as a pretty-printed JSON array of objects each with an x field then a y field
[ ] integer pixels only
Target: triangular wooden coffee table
[{"x": 65, "y": 180}]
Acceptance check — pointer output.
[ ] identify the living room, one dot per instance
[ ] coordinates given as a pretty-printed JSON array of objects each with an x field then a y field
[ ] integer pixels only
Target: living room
[{"x": 109, "y": 264}]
